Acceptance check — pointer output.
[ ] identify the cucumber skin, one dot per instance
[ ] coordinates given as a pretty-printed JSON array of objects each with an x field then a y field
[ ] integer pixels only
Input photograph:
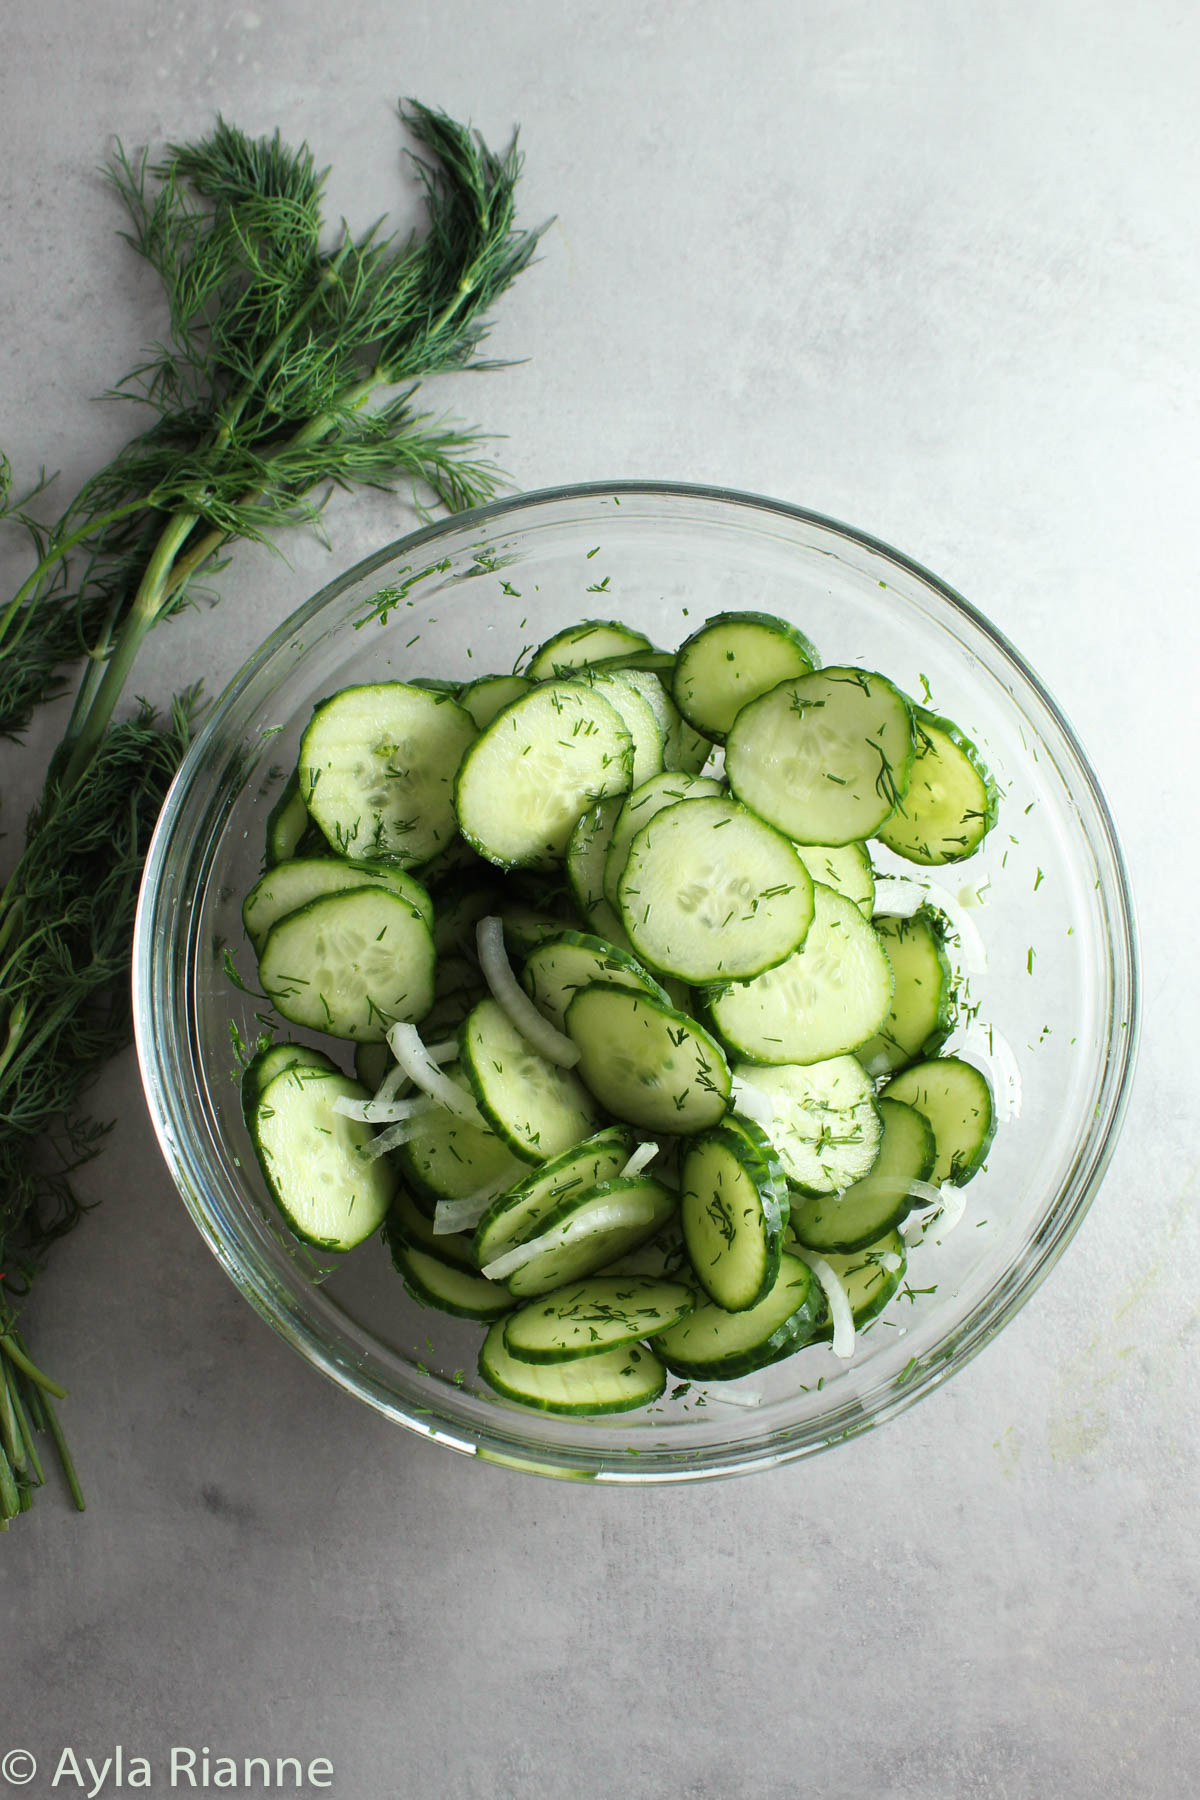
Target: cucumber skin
[
  {"x": 797, "y": 1330},
  {"x": 753, "y": 1151},
  {"x": 409, "y": 1272}
]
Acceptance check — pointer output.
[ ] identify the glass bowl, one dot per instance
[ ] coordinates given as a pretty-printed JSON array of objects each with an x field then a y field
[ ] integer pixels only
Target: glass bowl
[{"x": 1054, "y": 1012}]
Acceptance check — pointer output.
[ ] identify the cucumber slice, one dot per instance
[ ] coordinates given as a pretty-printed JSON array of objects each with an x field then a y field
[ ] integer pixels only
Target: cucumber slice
[
  {"x": 517, "y": 1214},
  {"x": 824, "y": 1000},
  {"x": 539, "y": 765},
  {"x": 870, "y": 1276},
  {"x": 733, "y": 1207},
  {"x": 449, "y": 1158},
  {"x": 731, "y": 660},
  {"x": 956, "y": 1098},
  {"x": 580, "y": 646},
  {"x": 647, "y": 1063},
  {"x": 350, "y": 963},
  {"x": 588, "y": 1318},
  {"x": 290, "y": 830},
  {"x": 651, "y": 797},
  {"x": 710, "y": 892},
  {"x": 846, "y": 868},
  {"x": 921, "y": 1014},
  {"x": 534, "y": 1106},
  {"x": 618, "y": 1381},
  {"x": 433, "y": 1282},
  {"x": 377, "y": 768},
  {"x": 272, "y": 1061},
  {"x": 585, "y": 1232},
  {"x": 587, "y": 857},
  {"x": 824, "y": 1125},
  {"x": 484, "y": 698},
  {"x": 880, "y": 1200},
  {"x": 561, "y": 966},
  {"x": 951, "y": 803},
  {"x": 826, "y": 758},
  {"x": 313, "y": 1158},
  {"x": 684, "y": 750},
  {"x": 638, "y": 717},
  {"x": 714, "y": 1345},
  {"x": 293, "y": 884},
  {"x": 407, "y": 1225}
]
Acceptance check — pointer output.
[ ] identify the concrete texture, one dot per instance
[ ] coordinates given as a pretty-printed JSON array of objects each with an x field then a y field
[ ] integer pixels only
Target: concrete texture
[{"x": 925, "y": 267}]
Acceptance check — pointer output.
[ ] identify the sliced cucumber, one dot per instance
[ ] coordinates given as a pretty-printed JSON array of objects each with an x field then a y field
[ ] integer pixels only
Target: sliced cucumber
[
  {"x": 484, "y": 698},
  {"x": 290, "y": 830},
  {"x": 407, "y": 1224},
  {"x": 951, "y": 803},
  {"x": 587, "y": 859},
  {"x": 534, "y": 1106},
  {"x": 314, "y": 1160},
  {"x": 638, "y": 717},
  {"x": 588, "y": 1318},
  {"x": 434, "y": 1282},
  {"x": 580, "y": 646},
  {"x": 880, "y": 1200},
  {"x": 647, "y": 1063},
  {"x": 825, "y": 999},
  {"x": 294, "y": 883},
  {"x": 273, "y": 1061},
  {"x": 561, "y": 966},
  {"x": 516, "y": 1215},
  {"x": 870, "y": 1277},
  {"x": 539, "y": 765},
  {"x": 618, "y": 1381},
  {"x": 350, "y": 963},
  {"x": 824, "y": 1122},
  {"x": 684, "y": 750},
  {"x": 921, "y": 1014},
  {"x": 731, "y": 660},
  {"x": 733, "y": 1206},
  {"x": 826, "y": 758},
  {"x": 651, "y": 797},
  {"x": 956, "y": 1098},
  {"x": 585, "y": 1232},
  {"x": 846, "y": 868},
  {"x": 711, "y": 892},
  {"x": 448, "y": 1158},
  {"x": 714, "y": 1345},
  {"x": 377, "y": 768}
]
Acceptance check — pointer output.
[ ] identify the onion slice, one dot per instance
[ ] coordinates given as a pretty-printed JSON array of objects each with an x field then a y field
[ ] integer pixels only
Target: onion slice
[
  {"x": 415, "y": 1060},
  {"x": 903, "y": 894},
  {"x": 508, "y": 993},
  {"x": 600, "y": 1217},
  {"x": 464, "y": 1214},
  {"x": 753, "y": 1104},
  {"x": 382, "y": 1112},
  {"x": 839, "y": 1305},
  {"x": 644, "y": 1154}
]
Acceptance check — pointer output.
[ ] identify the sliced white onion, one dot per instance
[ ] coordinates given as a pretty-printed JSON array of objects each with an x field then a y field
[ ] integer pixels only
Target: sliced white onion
[
  {"x": 892, "y": 1261},
  {"x": 507, "y": 991},
  {"x": 753, "y": 1103},
  {"x": 414, "y": 1059},
  {"x": 391, "y": 1139},
  {"x": 382, "y": 1112},
  {"x": 442, "y": 1052},
  {"x": 951, "y": 1203},
  {"x": 903, "y": 894},
  {"x": 624, "y": 1210},
  {"x": 644, "y": 1154},
  {"x": 465, "y": 1214},
  {"x": 392, "y": 1085},
  {"x": 839, "y": 1306},
  {"x": 984, "y": 1044}
]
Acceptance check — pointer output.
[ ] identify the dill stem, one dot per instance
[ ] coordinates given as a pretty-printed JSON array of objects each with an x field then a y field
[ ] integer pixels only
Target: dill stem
[
  {"x": 60, "y": 550},
  {"x": 64, "y": 1456},
  {"x": 16, "y": 1355},
  {"x": 10, "y": 1432},
  {"x": 147, "y": 605}
]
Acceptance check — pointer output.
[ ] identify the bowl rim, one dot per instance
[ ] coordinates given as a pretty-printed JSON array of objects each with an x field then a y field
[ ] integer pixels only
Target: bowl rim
[{"x": 1058, "y": 1221}]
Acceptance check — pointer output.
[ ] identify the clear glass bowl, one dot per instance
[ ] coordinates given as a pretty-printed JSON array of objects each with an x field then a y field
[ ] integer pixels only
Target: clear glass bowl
[{"x": 1059, "y": 989}]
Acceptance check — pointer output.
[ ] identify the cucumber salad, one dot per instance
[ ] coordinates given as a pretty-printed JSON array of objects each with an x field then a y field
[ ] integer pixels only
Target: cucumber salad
[{"x": 645, "y": 1079}]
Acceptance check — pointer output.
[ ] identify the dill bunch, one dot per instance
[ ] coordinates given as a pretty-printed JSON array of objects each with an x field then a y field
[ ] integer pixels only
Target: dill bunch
[{"x": 289, "y": 367}]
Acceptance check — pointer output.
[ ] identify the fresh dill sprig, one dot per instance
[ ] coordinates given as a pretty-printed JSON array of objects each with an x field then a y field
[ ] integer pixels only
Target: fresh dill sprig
[{"x": 289, "y": 367}]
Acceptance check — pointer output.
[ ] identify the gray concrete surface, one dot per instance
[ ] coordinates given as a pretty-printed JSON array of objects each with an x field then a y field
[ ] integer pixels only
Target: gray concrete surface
[{"x": 929, "y": 268}]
